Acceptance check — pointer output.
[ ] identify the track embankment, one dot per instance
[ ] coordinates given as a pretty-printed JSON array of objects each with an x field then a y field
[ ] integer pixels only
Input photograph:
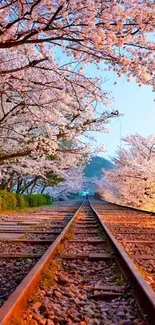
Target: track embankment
[{"x": 85, "y": 277}]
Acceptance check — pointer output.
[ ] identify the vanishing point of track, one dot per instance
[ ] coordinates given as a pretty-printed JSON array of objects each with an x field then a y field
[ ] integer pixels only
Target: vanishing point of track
[{"x": 84, "y": 277}]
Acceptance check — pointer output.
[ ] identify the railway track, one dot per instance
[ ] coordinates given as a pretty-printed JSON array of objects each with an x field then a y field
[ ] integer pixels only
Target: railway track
[
  {"x": 24, "y": 238},
  {"x": 84, "y": 278},
  {"x": 135, "y": 231}
]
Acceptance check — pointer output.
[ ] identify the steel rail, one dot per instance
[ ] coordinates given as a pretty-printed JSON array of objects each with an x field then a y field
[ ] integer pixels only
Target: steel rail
[
  {"x": 144, "y": 294},
  {"x": 18, "y": 299}
]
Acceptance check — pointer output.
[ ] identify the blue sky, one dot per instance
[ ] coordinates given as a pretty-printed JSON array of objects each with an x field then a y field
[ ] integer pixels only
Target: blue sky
[
  {"x": 136, "y": 103},
  {"x": 138, "y": 106}
]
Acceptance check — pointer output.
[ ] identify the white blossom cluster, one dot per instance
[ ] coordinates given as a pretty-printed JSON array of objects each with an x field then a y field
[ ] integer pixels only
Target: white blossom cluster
[{"x": 132, "y": 180}]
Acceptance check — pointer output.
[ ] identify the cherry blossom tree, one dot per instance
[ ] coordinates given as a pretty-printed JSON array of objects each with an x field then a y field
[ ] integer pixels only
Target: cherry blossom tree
[
  {"x": 29, "y": 174},
  {"x": 132, "y": 181},
  {"x": 47, "y": 98},
  {"x": 117, "y": 32},
  {"x": 36, "y": 115},
  {"x": 31, "y": 34},
  {"x": 42, "y": 123},
  {"x": 74, "y": 182},
  {"x": 43, "y": 137}
]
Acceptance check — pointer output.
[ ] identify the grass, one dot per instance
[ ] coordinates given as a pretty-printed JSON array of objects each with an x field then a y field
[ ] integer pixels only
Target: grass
[
  {"x": 60, "y": 250},
  {"x": 119, "y": 278},
  {"x": 102, "y": 234},
  {"x": 70, "y": 233},
  {"x": 49, "y": 274}
]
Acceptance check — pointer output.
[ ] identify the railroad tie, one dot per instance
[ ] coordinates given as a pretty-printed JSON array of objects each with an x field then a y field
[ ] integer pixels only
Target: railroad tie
[
  {"x": 30, "y": 232},
  {"x": 86, "y": 226},
  {"x": 90, "y": 233},
  {"x": 105, "y": 295},
  {"x": 144, "y": 257},
  {"x": 100, "y": 257},
  {"x": 28, "y": 241},
  {"x": 137, "y": 241},
  {"x": 107, "y": 292},
  {"x": 90, "y": 257},
  {"x": 88, "y": 241},
  {"x": 111, "y": 288},
  {"x": 18, "y": 255},
  {"x": 88, "y": 223}
]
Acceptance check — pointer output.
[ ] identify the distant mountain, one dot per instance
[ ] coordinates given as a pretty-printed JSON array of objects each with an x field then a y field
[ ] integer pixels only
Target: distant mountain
[{"x": 94, "y": 167}]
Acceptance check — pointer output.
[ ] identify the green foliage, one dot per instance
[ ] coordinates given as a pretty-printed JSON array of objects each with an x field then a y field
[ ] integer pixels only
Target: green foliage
[
  {"x": 36, "y": 200},
  {"x": 41, "y": 200},
  {"x": 5, "y": 199},
  {"x": 54, "y": 179},
  {"x": 2, "y": 203},
  {"x": 26, "y": 200},
  {"x": 48, "y": 199},
  {"x": 12, "y": 201},
  {"x": 20, "y": 201},
  {"x": 31, "y": 200}
]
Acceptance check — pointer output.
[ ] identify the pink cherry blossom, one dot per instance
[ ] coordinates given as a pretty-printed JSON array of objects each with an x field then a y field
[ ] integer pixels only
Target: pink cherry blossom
[{"x": 131, "y": 182}]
